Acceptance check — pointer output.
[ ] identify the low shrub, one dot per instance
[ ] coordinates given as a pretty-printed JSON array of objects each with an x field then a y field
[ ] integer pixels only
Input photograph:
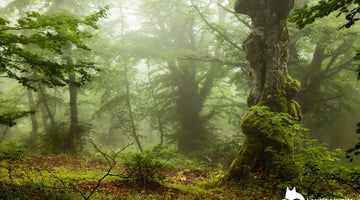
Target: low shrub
[
  {"x": 319, "y": 176},
  {"x": 12, "y": 151},
  {"x": 219, "y": 151},
  {"x": 145, "y": 168},
  {"x": 56, "y": 138}
]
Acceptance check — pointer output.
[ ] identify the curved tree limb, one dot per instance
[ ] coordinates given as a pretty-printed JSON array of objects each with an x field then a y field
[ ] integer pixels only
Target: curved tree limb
[
  {"x": 236, "y": 15},
  {"x": 213, "y": 28}
]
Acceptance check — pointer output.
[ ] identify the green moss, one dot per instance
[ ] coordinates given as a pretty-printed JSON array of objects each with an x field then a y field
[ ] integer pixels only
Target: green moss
[
  {"x": 292, "y": 87},
  {"x": 268, "y": 146},
  {"x": 281, "y": 94},
  {"x": 195, "y": 170},
  {"x": 294, "y": 109},
  {"x": 285, "y": 35}
]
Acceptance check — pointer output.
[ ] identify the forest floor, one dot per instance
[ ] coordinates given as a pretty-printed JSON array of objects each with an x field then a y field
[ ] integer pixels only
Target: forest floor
[{"x": 63, "y": 177}]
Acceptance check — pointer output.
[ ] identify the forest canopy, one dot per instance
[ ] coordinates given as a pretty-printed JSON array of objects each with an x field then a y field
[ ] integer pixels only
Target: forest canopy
[
  {"x": 35, "y": 43},
  {"x": 31, "y": 50}
]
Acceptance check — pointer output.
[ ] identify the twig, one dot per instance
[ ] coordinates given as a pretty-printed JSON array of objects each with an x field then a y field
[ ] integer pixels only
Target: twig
[
  {"x": 111, "y": 165},
  {"x": 111, "y": 160},
  {"x": 212, "y": 59},
  {"x": 236, "y": 15},
  {"x": 215, "y": 29}
]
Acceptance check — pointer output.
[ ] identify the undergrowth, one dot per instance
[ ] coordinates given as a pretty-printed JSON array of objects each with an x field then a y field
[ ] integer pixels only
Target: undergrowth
[{"x": 161, "y": 174}]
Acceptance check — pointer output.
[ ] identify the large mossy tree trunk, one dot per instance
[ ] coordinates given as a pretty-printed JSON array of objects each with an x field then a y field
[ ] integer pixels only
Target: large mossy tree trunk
[{"x": 267, "y": 150}]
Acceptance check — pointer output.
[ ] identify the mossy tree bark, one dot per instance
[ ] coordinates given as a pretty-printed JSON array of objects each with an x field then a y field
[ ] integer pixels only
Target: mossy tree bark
[{"x": 267, "y": 151}]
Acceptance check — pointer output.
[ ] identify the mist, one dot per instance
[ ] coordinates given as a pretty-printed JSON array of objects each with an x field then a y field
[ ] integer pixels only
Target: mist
[{"x": 178, "y": 99}]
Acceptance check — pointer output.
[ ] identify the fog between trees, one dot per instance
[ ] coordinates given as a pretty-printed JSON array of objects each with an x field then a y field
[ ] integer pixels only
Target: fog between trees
[{"x": 197, "y": 75}]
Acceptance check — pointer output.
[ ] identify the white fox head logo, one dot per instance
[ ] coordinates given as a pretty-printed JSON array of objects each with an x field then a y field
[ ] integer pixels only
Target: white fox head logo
[{"x": 293, "y": 195}]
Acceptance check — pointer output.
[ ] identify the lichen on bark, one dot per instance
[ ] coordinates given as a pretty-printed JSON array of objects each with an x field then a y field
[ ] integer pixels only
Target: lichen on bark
[{"x": 268, "y": 147}]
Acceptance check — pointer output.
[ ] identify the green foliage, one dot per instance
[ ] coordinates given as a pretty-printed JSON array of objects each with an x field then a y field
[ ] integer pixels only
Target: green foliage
[
  {"x": 47, "y": 36},
  {"x": 357, "y": 58},
  {"x": 355, "y": 151},
  {"x": 56, "y": 139},
  {"x": 10, "y": 117},
  {"x": 273, "y": 122},
  {"x": 219, "y": 151},
  {"x": 348, "y": 177},
  {"x": 6, "y": 195},
  {"x": 351, "y": 9},
  {"x": 308, "y": 15},
  {"x": 315, "y": 182},
  {"x": 33, "y": 191},
  {"x": 145, "y": 168},
  {"x": 309, "y": 152},
  {"x": 319, "y": 177},
  {"x": 59, "y": 196},
  {"x": 314, "y": 160},
  {"x": 333, "y": 183},
  {"x": 12, "y": 151}
]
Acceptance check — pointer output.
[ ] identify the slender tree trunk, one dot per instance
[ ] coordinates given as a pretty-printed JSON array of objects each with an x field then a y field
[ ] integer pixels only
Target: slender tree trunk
[
  {"x": 74, "y": 139},
  {"x": 4, "y": 133},
  {"x": 267, "y": 151},
  {"x": 46, "y": 106},
  {"x": 156, "y": 107},
  {"x": 34, "y": 123},
  {"x": 44, "y": 119},
  {"x": 128, "y": 103}
]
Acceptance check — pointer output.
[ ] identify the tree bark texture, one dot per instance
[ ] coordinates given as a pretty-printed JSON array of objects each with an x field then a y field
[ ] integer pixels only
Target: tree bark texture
[
  {"x": 44, "y": 101},
  {"x": 270, "y": 85},
  {"x": 34, "y": 122},
  {"x": 74, "y": 140}
]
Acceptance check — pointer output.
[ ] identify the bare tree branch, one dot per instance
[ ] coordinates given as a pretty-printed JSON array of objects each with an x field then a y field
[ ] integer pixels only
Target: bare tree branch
[
  {"x": 337, "y": 69},
  {"x": 111, "y": 160},
  {"x": 242, "y": 65},
  {"x": 236, "y": 15},
  {"x": 214, "y": 28}
]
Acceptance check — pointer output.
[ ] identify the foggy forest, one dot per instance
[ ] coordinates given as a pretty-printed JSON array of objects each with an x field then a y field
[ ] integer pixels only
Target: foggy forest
[{"x": 179, "y": 99}]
